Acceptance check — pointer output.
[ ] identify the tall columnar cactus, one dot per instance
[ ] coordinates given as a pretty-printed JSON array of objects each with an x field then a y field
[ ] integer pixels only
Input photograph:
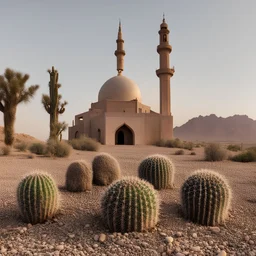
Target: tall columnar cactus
[
  {"x": 130, "y": 205},
  {"x": 206, "y": 197},
  {"x": 158, "y": 170},
  {"x": 38, "y": 198},
  {"x": 53, "y": 106}
]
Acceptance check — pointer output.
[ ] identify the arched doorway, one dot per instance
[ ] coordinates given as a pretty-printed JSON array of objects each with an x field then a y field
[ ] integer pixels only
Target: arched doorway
[
  {"x": 99, "y": 135},
  {"x": 124, "y": 136},
  {"x": 77, "y": 135}
]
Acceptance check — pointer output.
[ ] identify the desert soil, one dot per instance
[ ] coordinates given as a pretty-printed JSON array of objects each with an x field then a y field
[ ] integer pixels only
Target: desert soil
[{"x": 79, "y": 230}]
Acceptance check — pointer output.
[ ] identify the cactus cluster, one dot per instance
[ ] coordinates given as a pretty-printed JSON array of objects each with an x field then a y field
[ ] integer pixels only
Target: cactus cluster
[
  {"x": 205, "y": 197},
  {"x": 79, "y": 177},
  {"x": 106, "y": 169},
  {"x": 130, "y": 204},
  {"x": 38, "y": 198},
  {"x": 158, "y": 170}
]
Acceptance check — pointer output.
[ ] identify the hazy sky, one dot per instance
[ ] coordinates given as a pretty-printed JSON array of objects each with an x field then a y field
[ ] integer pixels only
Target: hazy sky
[{"x": 214, "y": 53}]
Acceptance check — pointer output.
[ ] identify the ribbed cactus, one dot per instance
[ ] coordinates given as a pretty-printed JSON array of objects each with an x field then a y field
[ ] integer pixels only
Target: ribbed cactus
[
  {"x": 79, "y": 177},
  {"x": 53, "y": 106},
  {"x": 158, "y": 170},
  {"x": 206, "y": 197},
  {"x": 38, "y": 198},
  {"x": 130, "y": 204},
  {"x": 105, "y": 169}
]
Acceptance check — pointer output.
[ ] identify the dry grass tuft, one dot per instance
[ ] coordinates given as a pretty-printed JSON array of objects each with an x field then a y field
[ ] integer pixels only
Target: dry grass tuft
[
  {"x": 85, "y": 143},
  {"x": 214, "y": 152}
]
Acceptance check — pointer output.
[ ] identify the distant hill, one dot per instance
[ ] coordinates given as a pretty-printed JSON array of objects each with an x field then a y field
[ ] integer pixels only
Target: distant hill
[
  {"x": 237, "y": 128},
  {"x": 18, "y": 137}
]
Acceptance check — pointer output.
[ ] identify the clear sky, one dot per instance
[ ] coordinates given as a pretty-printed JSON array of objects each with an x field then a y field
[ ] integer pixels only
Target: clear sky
[{"x": 214, "y": 53}]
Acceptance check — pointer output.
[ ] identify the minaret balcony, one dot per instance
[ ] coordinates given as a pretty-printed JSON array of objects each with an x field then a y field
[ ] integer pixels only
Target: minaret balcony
[
  {"x": 119, "y": 52},
  {"x": 164, "y": 71},
  {"x": 164, "y": 47}
]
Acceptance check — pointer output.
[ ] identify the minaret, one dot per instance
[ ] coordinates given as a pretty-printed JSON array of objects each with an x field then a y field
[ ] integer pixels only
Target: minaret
[
  {"x": 120, "y": 51},
  {"x": 164, "y": 72}
]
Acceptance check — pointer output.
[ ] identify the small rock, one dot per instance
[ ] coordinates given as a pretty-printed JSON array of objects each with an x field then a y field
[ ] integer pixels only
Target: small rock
[
  {"x": 95, "y": 246},
  {"x": 194, "y": 235},
  {"x": 3, "y": 250},
  {"x": 71, "y": 235},
  {"x": 96, "y": 238},
  {"x": 246, "y": 238},
  {"x": 102, "y": 238},
  {"x": 59, "y": 247},
  {"x": 169, "y": 239},
  {"x": 251, "y": 242},
  {"x": 179, "y": 234},
  {"x": 195, "y": 248},
  {"x": 179, "y": 254},
  {"x": 215, "y": 229},
  {"x": 161, "y": 248},
  {"x": 162, "y": 234},
  {"x": 29, "y": 225},
  {"x": 222, "y": 253}
]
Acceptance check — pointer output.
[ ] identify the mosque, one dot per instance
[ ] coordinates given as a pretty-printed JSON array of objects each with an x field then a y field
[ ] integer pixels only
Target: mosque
[{"x": 119, "y": 117}]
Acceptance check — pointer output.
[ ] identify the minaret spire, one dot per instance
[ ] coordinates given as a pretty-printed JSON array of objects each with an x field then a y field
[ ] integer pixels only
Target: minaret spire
[
  {"x": 120, "y": 50},
  {"x": 164, "y": 72}
]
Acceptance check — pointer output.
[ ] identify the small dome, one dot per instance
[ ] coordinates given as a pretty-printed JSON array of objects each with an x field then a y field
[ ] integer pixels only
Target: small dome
[
  {"x": 164, "y": 25},
  {"x": 119, "y": 88}
]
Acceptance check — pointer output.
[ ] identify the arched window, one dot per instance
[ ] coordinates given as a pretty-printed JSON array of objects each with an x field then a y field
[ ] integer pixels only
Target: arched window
[{"x": 164, "y": 38}]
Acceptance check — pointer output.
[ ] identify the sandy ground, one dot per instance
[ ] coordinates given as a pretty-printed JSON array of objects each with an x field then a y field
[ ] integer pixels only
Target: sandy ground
[{"x": 75, "y": 229}]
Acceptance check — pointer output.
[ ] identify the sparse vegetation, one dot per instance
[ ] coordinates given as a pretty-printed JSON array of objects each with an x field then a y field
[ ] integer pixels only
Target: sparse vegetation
[
  {"x": 158, "y": 170},
  {"x": 214, "y": 152},
  {"x": 193, "y": 153},
  {"x": 36, "y": 204},
  {"x": 206, "y": 197},
  {"x": 130, "y": 205},
  {"x": 13, "y": 92},
  {"x": 179, "y": 152},
  {"x": 38, "y": 148},
  {"x": 79, "y": 177},
  {"x": 57, "y": 148},
  {"x": 234, "y": 147},
  {"x": 5, "y": 150},
  {"x": 21, "y": 146},
  {"x": 85, "y": 143},
  {"x": 105, "y": 169},
  {"x": 175, "y": 143},
  {"x": 248, "y": 155}
]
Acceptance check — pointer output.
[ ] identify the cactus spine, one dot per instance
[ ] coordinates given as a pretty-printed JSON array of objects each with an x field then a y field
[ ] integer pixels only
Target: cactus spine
[
  {"x": 38, "y": 198},
  {"x": 53, "y": 106},
  {"x": 158, "y": 170},
  {"x": 206, "y": 197},
  {"x": 130, "y": 205}
]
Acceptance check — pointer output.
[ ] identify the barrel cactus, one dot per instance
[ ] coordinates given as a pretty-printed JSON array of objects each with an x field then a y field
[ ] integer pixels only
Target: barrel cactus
[
  {"x": 105, "y": 169},
  {"x": 79, "y": 177},
  {"x": 38, "y": 198},
  {"x": 206, "y": 197},
  {"x": 158, "y": 170},
  {"x": 130, "y": 204}
]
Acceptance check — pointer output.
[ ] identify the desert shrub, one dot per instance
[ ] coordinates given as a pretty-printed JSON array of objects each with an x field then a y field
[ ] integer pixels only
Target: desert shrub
[
  {"x": 187, "y": 145},
  {"x": 206, "y": 197},
  {"x": 5, "y": 150},
  {"x": 85, "y": 143},
  {"x": 179, "y": 152},
  {"x": 58, "y": 148},
  {"x": 160, "y": 143},
  {"x": 158, "y": 170},
  {"x": 31, "y": 156},
  {"x": 130, "y": 204},
  {"x": 233, "y": 147},
  {"x": 174, "y": 143},
  {"x": 38, "y": 198},
  {"x": 22, "y": 146},
  {"x": 214, "y": 152},
  {"x": 79, "y": 177},
  {"x": 105, "y": 169},
  {"x": 38, "y": 148},
  {"x": 193, "y": 153},
  {"x": 246, "y": 156}
]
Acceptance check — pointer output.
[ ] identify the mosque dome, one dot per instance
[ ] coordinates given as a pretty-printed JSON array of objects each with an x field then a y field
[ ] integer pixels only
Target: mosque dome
[{"x": 119, "y": 88}]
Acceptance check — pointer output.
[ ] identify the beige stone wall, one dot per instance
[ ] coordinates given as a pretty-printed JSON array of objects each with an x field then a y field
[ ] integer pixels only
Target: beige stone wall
[
  {"x": 166, "y": 127},
  {"x": 98, "y": 128}
]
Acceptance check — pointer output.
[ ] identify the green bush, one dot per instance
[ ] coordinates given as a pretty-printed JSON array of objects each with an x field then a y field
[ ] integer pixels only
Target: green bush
[
  {"x": 6, "y": 150},
  {"x": 214, "y": 152},
  {"x": 179, "y": 152},
  {"x": 246, "y": 156},
  {"x": 234, "y": 147},
  {"x": 22, "y": 146},
  {"x": 58, "y": 148},
  {"x": 38, "y": 148},
  {"x": 85, "y": 143}
]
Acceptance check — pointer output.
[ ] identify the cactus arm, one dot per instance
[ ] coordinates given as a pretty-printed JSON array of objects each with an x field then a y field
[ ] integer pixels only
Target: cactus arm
[
  {"x": 46, "y": 103},
  {"x": 61, "y": 109}
]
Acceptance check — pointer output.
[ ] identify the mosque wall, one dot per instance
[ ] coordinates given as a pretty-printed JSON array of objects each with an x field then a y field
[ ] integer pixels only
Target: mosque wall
[{"x": 97, "y": 127}]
